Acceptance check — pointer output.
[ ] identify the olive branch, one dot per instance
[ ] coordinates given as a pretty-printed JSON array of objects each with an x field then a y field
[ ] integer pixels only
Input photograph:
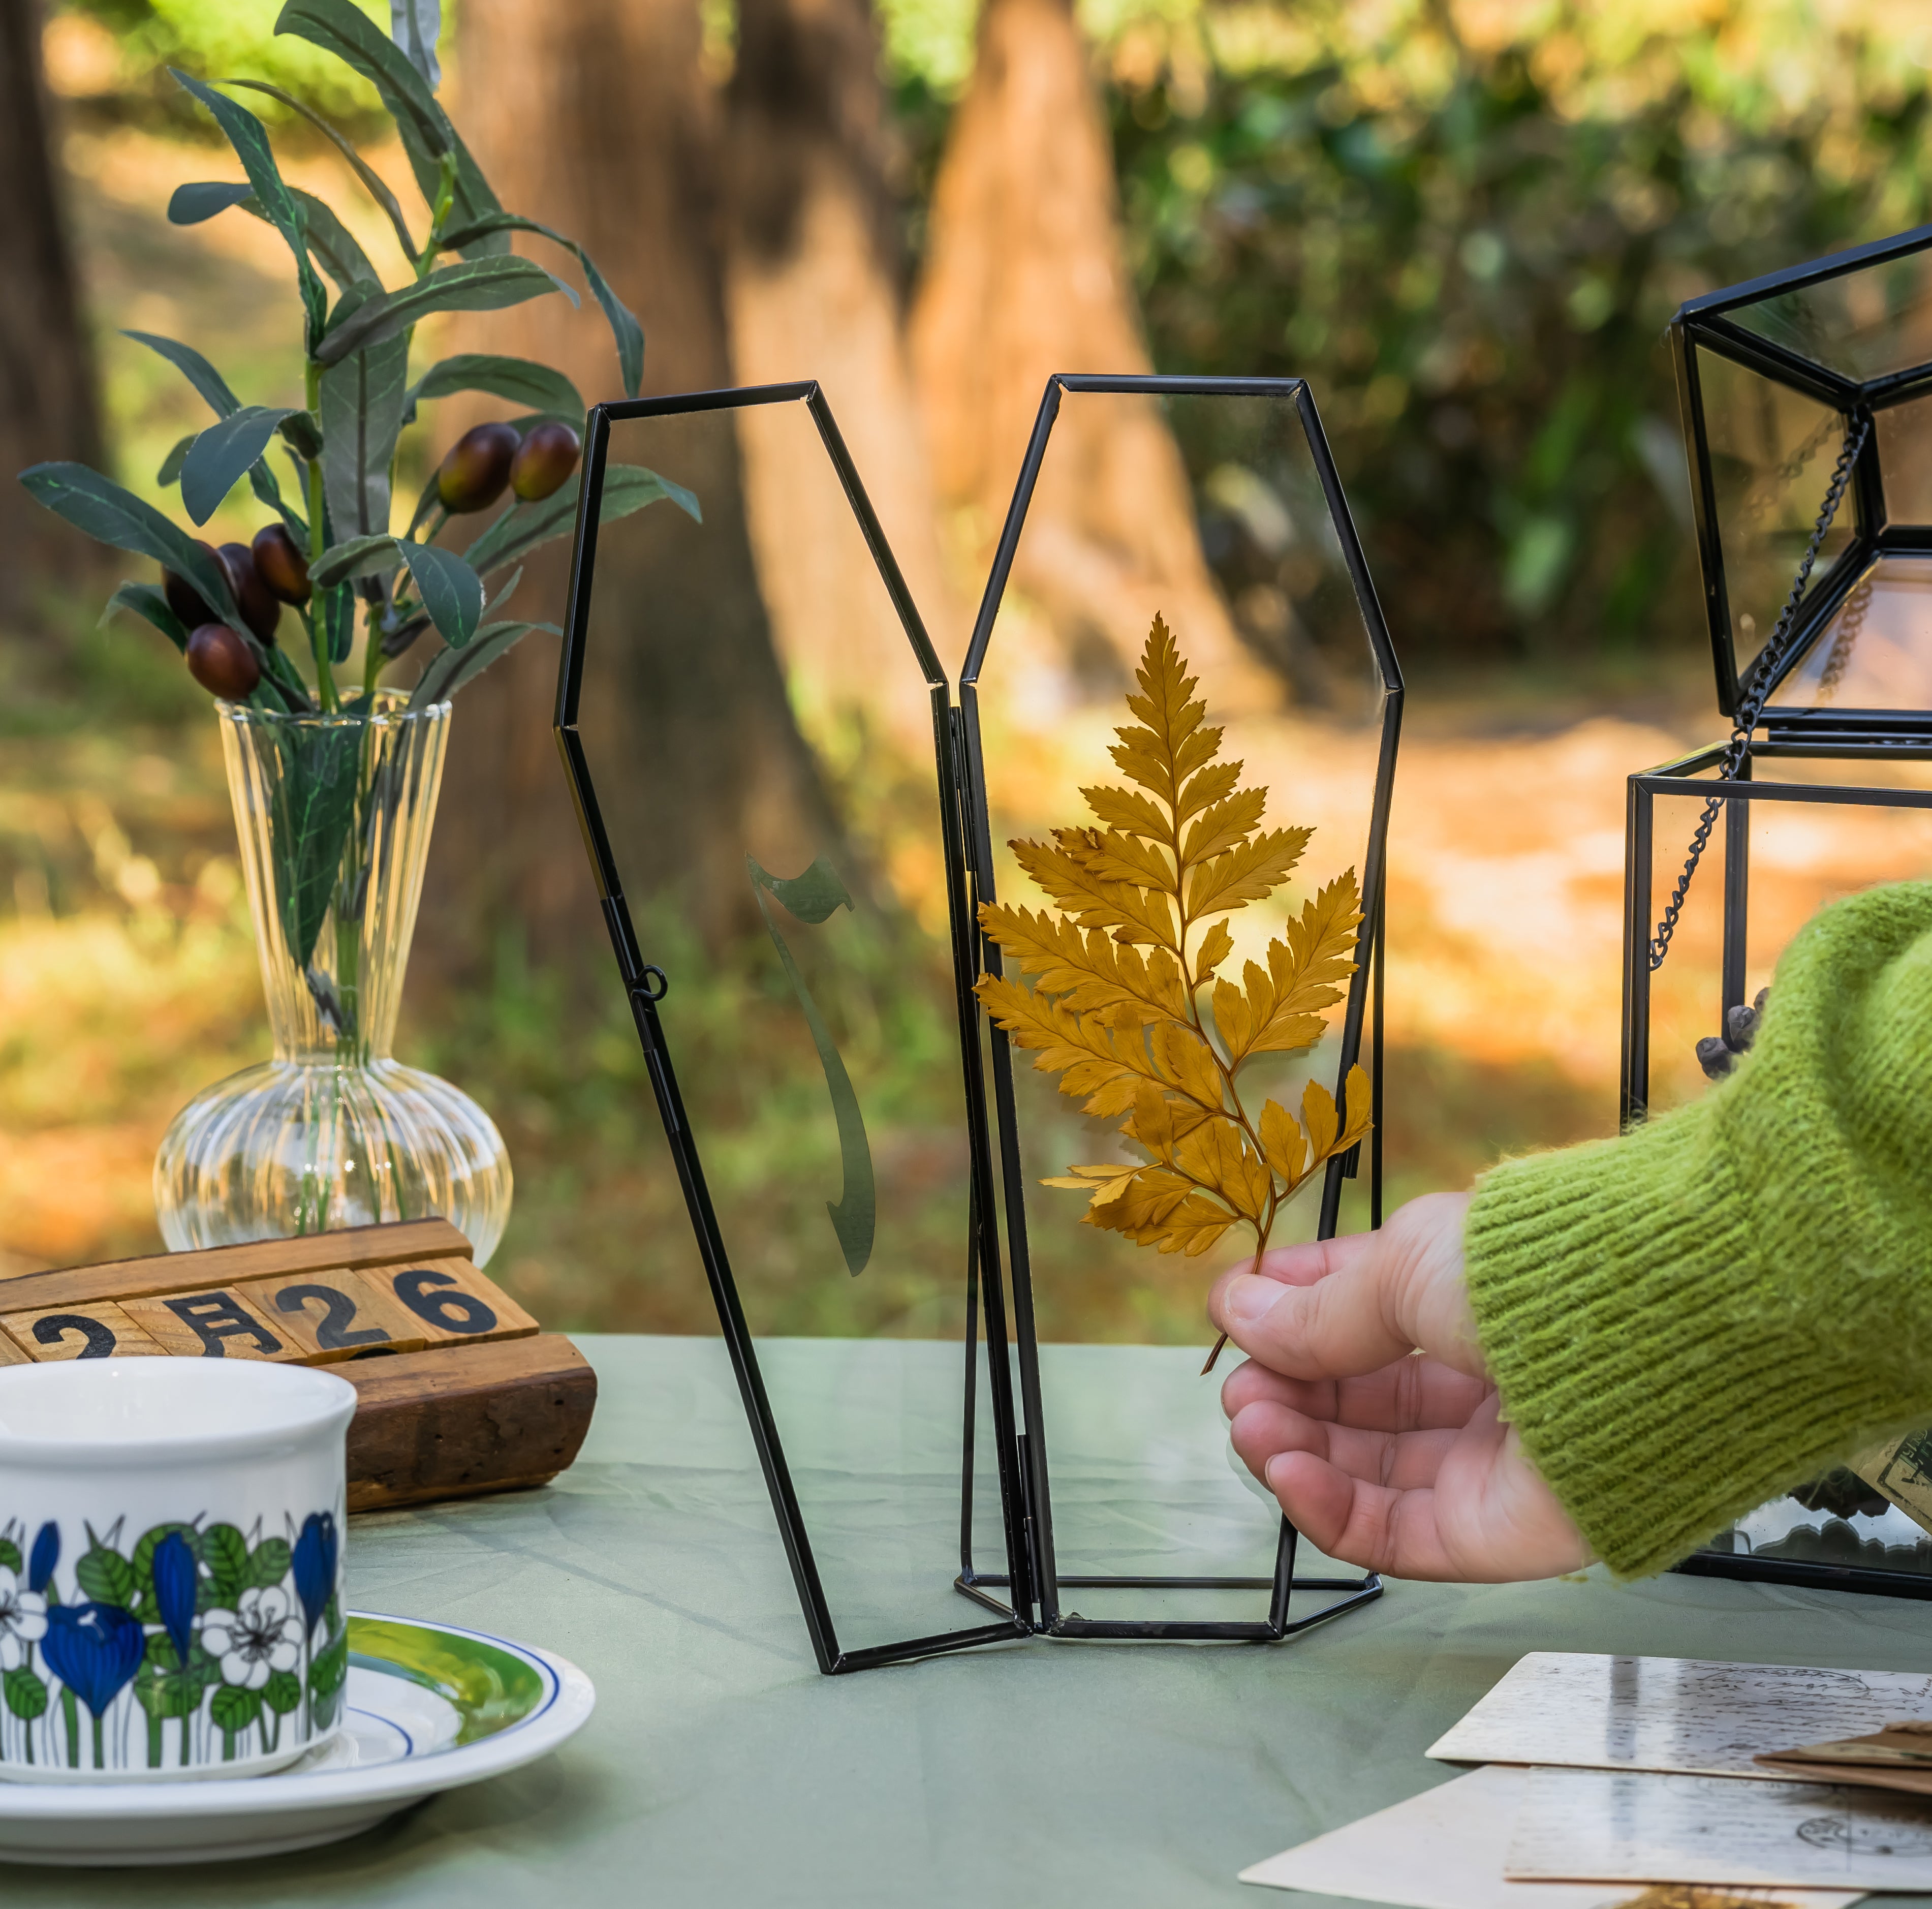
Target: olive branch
[{"x": 1127, "y": 1032}]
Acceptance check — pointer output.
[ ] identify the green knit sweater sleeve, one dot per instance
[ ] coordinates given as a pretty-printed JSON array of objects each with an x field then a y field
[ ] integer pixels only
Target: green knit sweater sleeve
[{"x": 1686, "y": 1321}]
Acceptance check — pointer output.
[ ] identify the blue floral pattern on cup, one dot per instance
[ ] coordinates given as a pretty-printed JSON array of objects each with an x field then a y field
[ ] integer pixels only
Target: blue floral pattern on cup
[{"x": 197, "y": 1644}]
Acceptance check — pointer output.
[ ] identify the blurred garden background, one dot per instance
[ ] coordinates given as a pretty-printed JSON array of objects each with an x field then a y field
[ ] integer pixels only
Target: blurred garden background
[{"x": 1466, "y": 222}]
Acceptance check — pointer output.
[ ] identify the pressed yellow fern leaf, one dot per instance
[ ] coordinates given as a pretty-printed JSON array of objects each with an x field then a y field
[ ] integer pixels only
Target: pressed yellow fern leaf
[{"x": 1126, "y": 1031}]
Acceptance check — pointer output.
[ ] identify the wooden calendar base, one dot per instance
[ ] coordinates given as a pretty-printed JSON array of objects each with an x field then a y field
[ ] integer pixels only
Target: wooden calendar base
[{"x": 461, "y": 1392}]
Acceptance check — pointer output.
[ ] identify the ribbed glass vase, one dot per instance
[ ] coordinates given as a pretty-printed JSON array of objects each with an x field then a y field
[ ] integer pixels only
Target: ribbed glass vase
[{"x": 334, "y": 814}]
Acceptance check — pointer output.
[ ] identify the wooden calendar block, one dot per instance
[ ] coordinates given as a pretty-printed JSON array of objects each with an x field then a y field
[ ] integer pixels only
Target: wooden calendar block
[
  {"x": 459, "y": 1390},
  {"x": 98, "y": 1330},
  {"x": 337, "y": 1313},
  {"x": 212, "y": 1322},
  {"x": 452, "y": 1303}
]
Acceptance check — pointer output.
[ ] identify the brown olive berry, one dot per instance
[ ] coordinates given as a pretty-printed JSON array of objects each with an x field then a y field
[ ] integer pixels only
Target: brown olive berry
[
  {"x": 279, "y": 564},
  {"x": 184, "y": 599},
  {"x": 473, "y": 475},
  {"x": 260, "y": 609},
  {"x": 544, "y": 463},
  {"x": 220, "y": 660}
]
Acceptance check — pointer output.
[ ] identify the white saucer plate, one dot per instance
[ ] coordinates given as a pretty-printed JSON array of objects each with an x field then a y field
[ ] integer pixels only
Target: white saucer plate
[{"x": 430, "y": 1707}]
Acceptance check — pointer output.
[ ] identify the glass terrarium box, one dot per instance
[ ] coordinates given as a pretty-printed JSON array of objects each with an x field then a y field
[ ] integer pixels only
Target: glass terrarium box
[
  {"x": 1806, "y": 405},
  {"x": 841, "y": 776}
]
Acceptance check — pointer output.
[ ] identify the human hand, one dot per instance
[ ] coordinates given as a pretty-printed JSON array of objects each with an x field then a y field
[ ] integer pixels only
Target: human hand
[{"x": 1365, "y": 1406}]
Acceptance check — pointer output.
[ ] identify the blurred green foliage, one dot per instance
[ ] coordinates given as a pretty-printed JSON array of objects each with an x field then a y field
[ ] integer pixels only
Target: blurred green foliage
[
  {"x": 211, "y": 37},
  {"x": 1467, "y": 223},
  {"x": 1474, "y": 266}
]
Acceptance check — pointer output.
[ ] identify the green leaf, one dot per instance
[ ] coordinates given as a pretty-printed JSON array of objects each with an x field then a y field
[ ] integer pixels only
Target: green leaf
[
  {"x": 10, "y": 1556},
  {"x": 302, "y": 435},
  {"x": 362, "y": 398},
  {"x": 627, "y": 487},
  {"x": 452, "y": 592},
  {"x": 262, "y": 481},
  {"x": 330, "y": 242},
  {"x": 624, "y": 329},
  {"x": 151, "y": 604},
  {"x": 221, "y": 456},
  {"x": 373, "y": 180},
  {"x": 448, "y": 670},
  {"x": 161, "y": 1689},
  {"x": 26, "y": 1695},
  {"x": 338, "y": 620},
  {"x": 234, "y": 1708},
  {"x": 473, "y": 285},
  {"x": 312, "y": 811},
  {"x": 812, "y": 897},
  {"x": 521, "y": 380},
  {"x": 101, "y": 508},
  {"x": 270, "y": 1563},
  {"x": 107, "y": 1577},
  {"x": 505, "y": 593},
  {"x": 192, "y": 204},
  {"x": 250, "y": 139},
  {"x": 326, "y": 1674},
  {"x": 283, "y": 1692},
  {"x": 524, "y": 526},
  {"x": 339, "y": 28},
  {"x": 360, "y": 556},
  {"x": 171, "y": 465},
  {"x": 205, "y": 379},
  {"x": 225, "y": 1552}
]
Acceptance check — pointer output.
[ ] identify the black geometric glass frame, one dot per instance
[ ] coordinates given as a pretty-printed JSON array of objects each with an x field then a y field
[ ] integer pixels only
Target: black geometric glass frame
[
  {"x": 1776, "y": 378},
  {"x": 1025, "y": 1594}
]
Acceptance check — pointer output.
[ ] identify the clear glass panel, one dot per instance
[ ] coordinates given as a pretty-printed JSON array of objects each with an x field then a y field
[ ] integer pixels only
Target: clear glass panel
[
  {"x": 1905, "y": 457},
  {"x": 1772, "y": 451},
  {"x": 1803, "y": 856},
  {"x": 1849, "y": 1527},
  {"x": 1208, "y": 510},
  {"x": 1876, "y": 652},
  {"x": 760, "y": 738},
  {"x": 1865, "y": 323}
]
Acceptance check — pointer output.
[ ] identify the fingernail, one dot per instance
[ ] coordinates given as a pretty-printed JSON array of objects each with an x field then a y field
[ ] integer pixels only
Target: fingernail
[{"x": 1250, "y": 1296}]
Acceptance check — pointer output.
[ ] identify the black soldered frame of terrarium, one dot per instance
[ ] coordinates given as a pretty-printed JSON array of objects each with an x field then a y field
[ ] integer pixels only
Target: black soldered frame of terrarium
[
  {"x": 1726, "y": 776},
  {"x": 1031, "y": 1605}
]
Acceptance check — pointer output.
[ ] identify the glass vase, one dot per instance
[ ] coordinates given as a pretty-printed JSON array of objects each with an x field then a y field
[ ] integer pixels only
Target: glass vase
[{"x": 334, "y": 813}]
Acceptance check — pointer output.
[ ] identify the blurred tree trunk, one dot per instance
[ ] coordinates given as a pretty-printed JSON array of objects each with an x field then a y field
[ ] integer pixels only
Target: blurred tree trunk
[
  {"x": 1026, "y": 275},
  {"x": 815, "y": 276},
  {"x": 47, "y": 406},
  {"x": 595, "y": 116}
]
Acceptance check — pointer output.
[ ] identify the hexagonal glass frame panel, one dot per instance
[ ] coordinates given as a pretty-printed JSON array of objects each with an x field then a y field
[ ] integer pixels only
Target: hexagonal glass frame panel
[
  {"x": 1776, "y": 378},
  {"x": 1273, "y": 495}
]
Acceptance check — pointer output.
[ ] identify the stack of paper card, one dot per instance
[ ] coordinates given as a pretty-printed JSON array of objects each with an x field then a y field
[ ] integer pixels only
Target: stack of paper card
[{"x": 1608, "y": 1776}]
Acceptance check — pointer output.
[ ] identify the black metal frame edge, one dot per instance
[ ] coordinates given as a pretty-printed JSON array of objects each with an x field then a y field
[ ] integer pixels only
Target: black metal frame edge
[
  {"x": 1021, "y": 1456},
  {"x": 1688, "y": 776},
  {"x": 1708, "y": 321},
  {"x": 1036, "y": 1472},
  {"x": 647, "y": 985},
  {"x": 1805, "y": 1573}
]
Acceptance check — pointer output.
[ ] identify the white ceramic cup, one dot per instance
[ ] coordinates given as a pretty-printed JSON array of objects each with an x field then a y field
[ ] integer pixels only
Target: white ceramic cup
[{"x": 171, "y": 1566}]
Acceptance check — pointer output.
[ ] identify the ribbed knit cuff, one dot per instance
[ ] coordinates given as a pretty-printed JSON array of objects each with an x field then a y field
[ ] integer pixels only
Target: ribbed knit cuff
[{"x": 1621, "y": 1301}]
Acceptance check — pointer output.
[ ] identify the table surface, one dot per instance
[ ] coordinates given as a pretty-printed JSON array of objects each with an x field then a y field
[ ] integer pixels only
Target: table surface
[{"x": 720, "y": 1769}]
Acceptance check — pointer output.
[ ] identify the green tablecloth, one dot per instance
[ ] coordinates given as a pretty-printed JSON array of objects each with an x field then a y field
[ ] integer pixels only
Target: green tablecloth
[{"x": 722, "y": 1770}]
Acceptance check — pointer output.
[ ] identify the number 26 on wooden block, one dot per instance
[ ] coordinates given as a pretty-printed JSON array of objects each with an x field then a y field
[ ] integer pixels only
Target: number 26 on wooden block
[{"x": 308, "y": 1318}]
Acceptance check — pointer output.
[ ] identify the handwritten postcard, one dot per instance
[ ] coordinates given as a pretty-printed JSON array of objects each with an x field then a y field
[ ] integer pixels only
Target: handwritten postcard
[
  {"x": 1446, "y": 1848},
  {"x": 1631, "y": 1826},
  {"x": 1674, "y": 1714}
]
